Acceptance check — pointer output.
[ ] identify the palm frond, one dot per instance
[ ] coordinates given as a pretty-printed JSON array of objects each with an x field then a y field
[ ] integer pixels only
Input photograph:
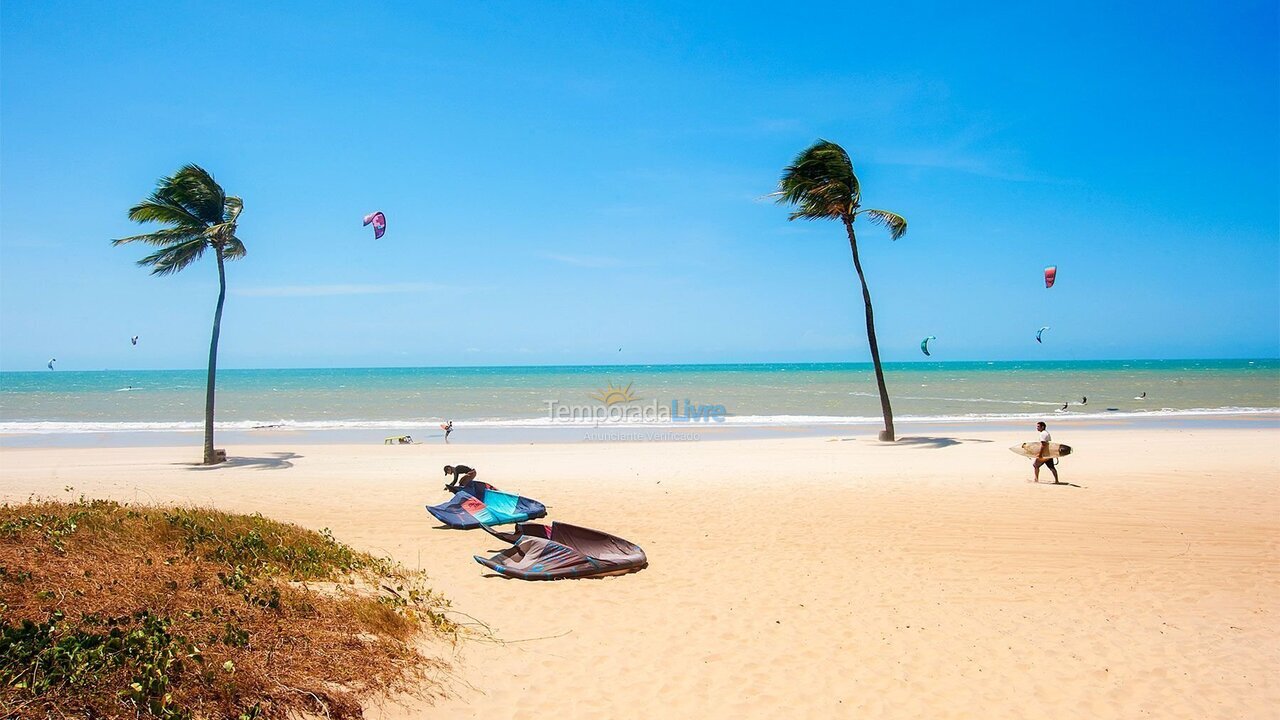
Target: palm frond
[
  {"x": 194, "y": 188},
  {"x": 160, "y": 209},
  {"x": 169, "y": 260},
  {"x": 896, "y": 224},
  {"x": 188, "y": 196},
  {"x": 231, "y": 209},
  {"x": 163, "y": 237},
  {"x": 233, "y": 249},
  {"x": 820, "y": 182}
]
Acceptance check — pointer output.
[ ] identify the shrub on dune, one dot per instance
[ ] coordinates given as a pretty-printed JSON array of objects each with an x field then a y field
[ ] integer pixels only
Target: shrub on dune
[{"x": 110, "y": 610}]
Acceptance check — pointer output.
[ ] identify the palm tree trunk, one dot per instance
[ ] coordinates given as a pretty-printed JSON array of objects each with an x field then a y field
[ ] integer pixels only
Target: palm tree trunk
[
  {"x": 210, "y": 457},
  {"x": 887, "y": 434}
]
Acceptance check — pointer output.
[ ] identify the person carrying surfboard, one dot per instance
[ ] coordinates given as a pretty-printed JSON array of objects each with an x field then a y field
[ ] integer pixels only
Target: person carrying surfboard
[{"x": 1045, "y": 439}]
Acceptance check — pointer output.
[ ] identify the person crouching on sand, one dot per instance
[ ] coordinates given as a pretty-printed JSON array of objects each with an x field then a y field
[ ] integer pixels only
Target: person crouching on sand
[
  {"x": 461, "y": 474},
  {"x": 1045, "y": 439}
]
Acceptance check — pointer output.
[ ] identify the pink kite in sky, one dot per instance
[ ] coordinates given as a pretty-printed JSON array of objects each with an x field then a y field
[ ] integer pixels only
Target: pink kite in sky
[
  {"x": 379, "y": 223},
  {"x": 1050, "y": 274}
]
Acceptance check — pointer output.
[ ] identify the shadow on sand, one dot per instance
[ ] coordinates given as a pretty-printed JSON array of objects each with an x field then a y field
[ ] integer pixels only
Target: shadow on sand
[
  {"x": 1060, "y": 484},
  {"x": 277, "y": 461},
  {"x": 937, "y": 442},
  {"x": 604, "y": 576}
]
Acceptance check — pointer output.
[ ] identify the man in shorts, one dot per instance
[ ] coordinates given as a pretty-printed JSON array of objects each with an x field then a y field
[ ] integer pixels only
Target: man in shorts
[
  {"x": 461, "y": 475},
  {"x": 1045, "y": 439}
]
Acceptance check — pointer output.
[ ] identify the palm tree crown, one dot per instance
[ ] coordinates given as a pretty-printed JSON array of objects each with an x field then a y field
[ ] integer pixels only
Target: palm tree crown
[
  {"x": 821, "y": 183},
  {"x": 199, "y": 215}
]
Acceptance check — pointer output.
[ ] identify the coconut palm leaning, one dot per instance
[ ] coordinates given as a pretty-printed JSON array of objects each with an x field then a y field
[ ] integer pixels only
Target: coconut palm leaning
[
  {"x": 200, "y": 216},
  {"x": 821, "y": 184}
]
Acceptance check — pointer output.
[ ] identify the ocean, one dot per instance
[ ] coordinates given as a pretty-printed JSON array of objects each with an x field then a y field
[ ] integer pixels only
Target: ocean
[{"x": 417, "y": 400}]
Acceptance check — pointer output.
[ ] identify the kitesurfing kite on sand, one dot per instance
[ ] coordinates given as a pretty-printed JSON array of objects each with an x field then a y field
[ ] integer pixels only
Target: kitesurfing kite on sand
[{"x": 379, "y": 223}]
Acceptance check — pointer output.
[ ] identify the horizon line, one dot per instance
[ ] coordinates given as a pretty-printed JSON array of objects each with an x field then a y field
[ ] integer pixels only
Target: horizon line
[{"x": 867, "y": 363}]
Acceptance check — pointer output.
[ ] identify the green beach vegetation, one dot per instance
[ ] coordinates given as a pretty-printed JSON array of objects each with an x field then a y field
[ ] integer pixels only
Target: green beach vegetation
[
  {"x": 821, "y": 184},
  {"x": 112, "y": 611},
  {"x": 199, "y": 215}
]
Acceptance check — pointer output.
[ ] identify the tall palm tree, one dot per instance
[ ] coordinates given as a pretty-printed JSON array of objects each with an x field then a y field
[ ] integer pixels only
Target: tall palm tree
[
  {"x": 821, "y": 184},
  {"x": 199, "y": 215}
]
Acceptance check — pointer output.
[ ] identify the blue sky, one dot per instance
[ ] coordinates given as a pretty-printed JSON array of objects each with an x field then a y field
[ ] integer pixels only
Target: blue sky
[{"x": 562, "y": 180}]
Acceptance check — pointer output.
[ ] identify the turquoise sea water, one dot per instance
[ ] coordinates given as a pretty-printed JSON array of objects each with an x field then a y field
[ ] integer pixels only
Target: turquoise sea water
[{"x": 418, "y": 399}]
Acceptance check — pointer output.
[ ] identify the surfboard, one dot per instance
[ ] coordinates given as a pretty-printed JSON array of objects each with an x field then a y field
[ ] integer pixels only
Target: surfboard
[{"x": 1032, "y": 450}]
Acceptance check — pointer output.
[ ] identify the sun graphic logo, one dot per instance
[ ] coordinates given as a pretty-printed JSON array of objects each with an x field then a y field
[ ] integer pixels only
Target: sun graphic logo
[{"x": 611, "y": 395}]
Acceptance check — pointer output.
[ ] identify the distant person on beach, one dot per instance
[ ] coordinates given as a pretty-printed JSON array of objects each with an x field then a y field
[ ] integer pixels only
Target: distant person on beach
[
  {"x": 447, "y": 427},
  {"x": 461, "y": 474},
  {"x": 1045, "y": 439}
]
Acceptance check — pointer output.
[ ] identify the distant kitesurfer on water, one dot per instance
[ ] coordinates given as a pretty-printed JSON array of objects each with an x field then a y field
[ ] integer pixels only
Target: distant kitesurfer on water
[
  {"x": 1143, "y": 396},
  {"x": 461, "y": 474},
  {"x": 1084, "y": 400},
  {"x": 1064, "y": 406},
  {"x": 1045, "y": 439}
]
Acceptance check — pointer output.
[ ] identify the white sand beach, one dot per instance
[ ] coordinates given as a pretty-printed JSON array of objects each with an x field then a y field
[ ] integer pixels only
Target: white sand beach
[{"x": 816, "y": 577}]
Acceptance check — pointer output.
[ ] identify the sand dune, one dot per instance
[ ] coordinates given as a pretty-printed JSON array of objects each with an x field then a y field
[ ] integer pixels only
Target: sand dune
[{"x": 814, "y": 577}]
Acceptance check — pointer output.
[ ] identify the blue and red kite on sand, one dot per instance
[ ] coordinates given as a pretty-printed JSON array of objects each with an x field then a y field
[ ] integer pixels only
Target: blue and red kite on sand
[{"x": 478, "y": 504}]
